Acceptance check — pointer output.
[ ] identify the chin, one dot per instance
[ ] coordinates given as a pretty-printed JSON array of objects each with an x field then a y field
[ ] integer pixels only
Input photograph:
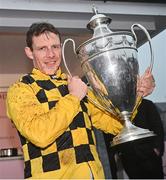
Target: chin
[{"x": 52, "y": 72}]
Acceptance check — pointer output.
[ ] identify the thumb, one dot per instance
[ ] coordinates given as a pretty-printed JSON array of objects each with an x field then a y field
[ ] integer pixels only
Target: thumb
[
  {"x": 148, "y": 70},
  {"x": 69, "y": 78}
]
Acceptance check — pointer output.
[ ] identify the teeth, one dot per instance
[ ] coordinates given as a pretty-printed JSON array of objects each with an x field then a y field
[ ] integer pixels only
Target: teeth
[{"x": 50, "y": 62}]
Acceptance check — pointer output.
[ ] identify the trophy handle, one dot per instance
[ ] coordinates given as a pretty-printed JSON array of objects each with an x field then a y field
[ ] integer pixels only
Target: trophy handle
[
  {"x": 65, "y": 64},
  {"x": 151, "y": 52},
  {"x": 63, "y": 53},
  {"x": 149, "y": 40}
]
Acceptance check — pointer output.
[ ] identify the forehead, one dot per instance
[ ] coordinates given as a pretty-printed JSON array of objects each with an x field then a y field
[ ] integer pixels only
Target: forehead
[{"x": 46, "y": 37}]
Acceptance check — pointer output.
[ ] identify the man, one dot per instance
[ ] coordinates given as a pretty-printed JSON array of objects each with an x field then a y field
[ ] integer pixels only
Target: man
[{"x": 53, "y": 116}]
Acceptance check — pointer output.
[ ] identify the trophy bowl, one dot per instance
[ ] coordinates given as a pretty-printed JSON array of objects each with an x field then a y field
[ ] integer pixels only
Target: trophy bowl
[{"x": 110, "y": 63}]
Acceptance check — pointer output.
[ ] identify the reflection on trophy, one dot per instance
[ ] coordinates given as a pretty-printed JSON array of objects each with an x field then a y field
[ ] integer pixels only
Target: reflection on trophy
[{"x": 109, "y": 62}]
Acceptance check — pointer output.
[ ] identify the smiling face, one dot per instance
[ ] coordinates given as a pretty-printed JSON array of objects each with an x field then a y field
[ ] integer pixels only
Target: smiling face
[{"x": 45, "y": 52}]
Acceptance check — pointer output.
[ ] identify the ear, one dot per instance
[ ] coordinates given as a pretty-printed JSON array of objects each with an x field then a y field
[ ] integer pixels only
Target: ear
[{"x": 28, "y": 52}]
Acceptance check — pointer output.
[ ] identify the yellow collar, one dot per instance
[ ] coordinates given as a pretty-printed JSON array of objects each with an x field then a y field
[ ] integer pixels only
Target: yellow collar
[{"x": 58, "y": 74}]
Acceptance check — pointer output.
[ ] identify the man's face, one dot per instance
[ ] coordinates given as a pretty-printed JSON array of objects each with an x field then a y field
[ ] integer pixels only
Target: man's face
[{"x": 46, "y": 53}]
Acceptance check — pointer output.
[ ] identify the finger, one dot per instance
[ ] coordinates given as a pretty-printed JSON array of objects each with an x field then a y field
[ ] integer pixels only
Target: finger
[
  {"x": 76, "y": 77},
  {"x": 138, "y": 77},
  {"x": 148, "y": 70},
  {"x": 146, "y": 74},
  {"x": 69, "y": 78},
  {"x": 147, "y": 85},
  {"x": 146, "y": 90}
]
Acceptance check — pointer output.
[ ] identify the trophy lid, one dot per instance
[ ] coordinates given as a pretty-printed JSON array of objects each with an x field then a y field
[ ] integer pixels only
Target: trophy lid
[
  {"x": 103, "y": 38},
  {"x": 99, "y": 24}
]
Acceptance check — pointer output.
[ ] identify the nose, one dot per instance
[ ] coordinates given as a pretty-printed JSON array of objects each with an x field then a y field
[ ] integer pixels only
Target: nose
[{"x": 50, "y": 52}]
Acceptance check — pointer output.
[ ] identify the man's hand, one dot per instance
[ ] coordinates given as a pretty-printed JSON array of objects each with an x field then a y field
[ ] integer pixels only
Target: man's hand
[
  {"x": 145, "y": 84},
  {"x": 77, "y": 87}
]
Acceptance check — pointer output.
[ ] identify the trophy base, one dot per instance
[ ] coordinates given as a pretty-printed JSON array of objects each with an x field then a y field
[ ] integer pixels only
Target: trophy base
[{"x": 131, "y": 133}]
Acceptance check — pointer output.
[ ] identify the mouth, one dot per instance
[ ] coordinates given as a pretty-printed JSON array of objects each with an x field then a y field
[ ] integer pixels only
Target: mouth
[{"x": 50, "y": 63}]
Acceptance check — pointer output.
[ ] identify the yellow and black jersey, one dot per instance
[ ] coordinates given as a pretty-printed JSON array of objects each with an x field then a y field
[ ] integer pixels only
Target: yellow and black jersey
[{"x": 55, "y": 128}]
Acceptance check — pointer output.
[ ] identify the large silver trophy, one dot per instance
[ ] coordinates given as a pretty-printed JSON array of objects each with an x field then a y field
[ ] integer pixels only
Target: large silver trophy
[{"x": 109, "y": 62}]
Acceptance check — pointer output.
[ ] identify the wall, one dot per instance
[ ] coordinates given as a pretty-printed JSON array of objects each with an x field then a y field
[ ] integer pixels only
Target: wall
[
  {"x": 159, "y": 47},
  {"x": 10, "y": 167},
  {"x": 8, "y": 135}
]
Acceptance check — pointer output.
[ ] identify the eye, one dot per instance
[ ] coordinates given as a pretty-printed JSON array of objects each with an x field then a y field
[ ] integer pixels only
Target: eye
[
  {"x": 42, "y": 48},
  {"x": 56, "y": 46}
]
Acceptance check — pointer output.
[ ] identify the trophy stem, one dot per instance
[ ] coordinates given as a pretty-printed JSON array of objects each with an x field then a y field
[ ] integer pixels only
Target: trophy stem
[{"x": 130, "y": 132}]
